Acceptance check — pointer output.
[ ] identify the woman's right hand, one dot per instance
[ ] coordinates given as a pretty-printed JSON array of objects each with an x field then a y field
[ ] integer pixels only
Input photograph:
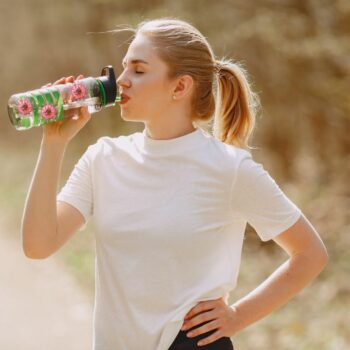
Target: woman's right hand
[{"x": 74, "y": 119}]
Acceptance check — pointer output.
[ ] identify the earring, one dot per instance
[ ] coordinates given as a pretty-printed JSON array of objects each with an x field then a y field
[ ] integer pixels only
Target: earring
[{"x": 174, "y": 97}]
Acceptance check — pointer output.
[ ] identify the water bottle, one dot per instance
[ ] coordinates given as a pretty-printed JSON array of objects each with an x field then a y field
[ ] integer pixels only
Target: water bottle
[{"x": 46, "y": 105}]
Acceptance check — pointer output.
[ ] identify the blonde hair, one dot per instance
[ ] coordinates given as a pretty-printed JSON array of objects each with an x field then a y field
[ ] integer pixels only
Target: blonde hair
[{"x": 222, "y": 89}]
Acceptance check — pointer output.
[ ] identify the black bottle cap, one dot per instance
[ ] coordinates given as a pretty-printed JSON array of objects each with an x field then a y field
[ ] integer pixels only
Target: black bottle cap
[{"x": 109, "y": 84}]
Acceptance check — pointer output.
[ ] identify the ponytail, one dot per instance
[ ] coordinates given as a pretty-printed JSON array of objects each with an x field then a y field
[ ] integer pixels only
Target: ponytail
[
  {"x": 236, "y": 105},
  {"x": 186, "y": 51}
]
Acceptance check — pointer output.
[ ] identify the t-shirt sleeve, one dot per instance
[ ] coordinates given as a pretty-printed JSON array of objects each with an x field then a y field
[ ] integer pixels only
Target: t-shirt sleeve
[
  {"x": 78, "y": 190},
  {"x": 257, "y": 198}
]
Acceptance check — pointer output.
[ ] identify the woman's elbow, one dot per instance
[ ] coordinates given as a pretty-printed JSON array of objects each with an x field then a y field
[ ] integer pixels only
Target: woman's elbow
[
  {"x": 317, "y": 259},
  {"x": 34, "y": 254},
  {"x": 323, "y": 257}
]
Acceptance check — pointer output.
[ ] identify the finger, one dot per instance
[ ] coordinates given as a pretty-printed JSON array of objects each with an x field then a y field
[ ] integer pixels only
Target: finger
[
  {"x": 70, "y": 113},
  {"x": 85, "y": 113},
  {"x": 83, "y": 117},
  {"x": 199, "y": 320},
  {"x": 74, "y": 112},
  {"x": 47, "y": 85},
  {"x": 70, "y": 79},
  {"x": 213, "y": 337},
  {"x": 80, "y": 76},
  {"x": 82, "y": 114},
  {"x": 201, "y": 307},
  {"x": 60, "y": 81},
  {"x": 203, "y": 328},
  {"x": 84, "y": 110}
]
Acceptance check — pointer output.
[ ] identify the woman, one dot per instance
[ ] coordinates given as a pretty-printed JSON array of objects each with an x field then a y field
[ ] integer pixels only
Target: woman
[{"x": 170, "y": 204}]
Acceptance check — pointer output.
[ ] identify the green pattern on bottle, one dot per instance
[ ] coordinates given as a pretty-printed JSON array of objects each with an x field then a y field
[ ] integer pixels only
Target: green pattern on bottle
[
  {"x": 25, "y": 122},
  {"x": 48, "y": 97},
  {"x": 102, "y": 92},
  {"x": 39, "y": 103},
  {"x": 59, "y": 104},
  {"x": 36, "y": 118},
  {"x": 40, "y": 99}
]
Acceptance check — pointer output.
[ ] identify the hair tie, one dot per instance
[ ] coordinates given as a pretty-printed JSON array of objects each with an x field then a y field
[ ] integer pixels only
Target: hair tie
[{"x": 217, "y": 67}]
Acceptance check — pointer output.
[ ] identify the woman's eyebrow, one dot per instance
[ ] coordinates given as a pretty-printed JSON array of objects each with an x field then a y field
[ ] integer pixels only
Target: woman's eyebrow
[{"x": 135, "y": 61}]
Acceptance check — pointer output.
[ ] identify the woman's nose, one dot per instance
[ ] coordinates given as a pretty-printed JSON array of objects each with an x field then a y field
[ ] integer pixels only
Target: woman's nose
[{"x": 123, "y": 81}]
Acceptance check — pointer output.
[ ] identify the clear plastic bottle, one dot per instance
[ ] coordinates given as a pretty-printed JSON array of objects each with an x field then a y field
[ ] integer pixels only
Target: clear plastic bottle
[{"x": 46, "y": 105}]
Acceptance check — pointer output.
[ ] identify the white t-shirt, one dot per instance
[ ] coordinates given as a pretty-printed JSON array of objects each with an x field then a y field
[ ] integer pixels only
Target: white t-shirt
[{"x": 169, "y": 219}]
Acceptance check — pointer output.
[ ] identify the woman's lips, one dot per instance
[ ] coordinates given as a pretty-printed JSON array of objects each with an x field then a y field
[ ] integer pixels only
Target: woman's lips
[{"x": 125, "y": 98}]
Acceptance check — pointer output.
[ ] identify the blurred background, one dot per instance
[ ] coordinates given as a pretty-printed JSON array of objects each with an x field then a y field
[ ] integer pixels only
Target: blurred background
[{"x": 297, "y": 53}]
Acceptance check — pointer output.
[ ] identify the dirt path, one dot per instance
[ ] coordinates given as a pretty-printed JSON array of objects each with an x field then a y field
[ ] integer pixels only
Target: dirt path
[{"x": 41, "y": 305}]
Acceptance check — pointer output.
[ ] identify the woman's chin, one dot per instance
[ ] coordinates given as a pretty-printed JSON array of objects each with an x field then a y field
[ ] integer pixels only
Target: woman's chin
[
  {"x": 124, "y": 117},
  {"x": 129, "y": 117}
]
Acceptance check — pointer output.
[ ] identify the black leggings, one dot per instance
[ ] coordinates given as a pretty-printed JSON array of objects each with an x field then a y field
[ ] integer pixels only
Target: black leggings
[{"x": 182, "y": 342}]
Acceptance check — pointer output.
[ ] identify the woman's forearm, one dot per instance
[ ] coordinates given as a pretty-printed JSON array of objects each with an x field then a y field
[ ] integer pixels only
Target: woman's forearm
[
  {"x": 282, "y": 285},
  {"x": 39, "y": 216}
]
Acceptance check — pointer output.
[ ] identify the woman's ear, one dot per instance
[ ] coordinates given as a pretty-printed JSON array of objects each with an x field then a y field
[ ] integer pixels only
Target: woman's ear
[{"x": 183, "y": 87}]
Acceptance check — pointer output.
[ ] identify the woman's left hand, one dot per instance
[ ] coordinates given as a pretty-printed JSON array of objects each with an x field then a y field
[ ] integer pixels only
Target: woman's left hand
[{"x": 222, "y": 316}]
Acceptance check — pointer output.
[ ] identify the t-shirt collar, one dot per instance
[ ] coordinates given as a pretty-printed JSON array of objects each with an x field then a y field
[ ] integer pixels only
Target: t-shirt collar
[{"x": 184, "y": 142}]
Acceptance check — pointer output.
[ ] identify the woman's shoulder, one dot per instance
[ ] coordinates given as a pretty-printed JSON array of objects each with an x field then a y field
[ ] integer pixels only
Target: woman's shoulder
[
  {"x": 106, "y": 145},
  {"x": 231, "y": 153}
]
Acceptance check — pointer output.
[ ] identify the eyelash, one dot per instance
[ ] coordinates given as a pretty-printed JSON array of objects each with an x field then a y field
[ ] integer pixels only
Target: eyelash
[{"x": 137, "y": 72}]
